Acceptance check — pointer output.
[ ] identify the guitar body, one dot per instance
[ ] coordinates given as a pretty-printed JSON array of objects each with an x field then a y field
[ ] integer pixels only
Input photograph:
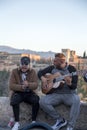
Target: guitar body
[
  {"x": 59, "y": 82},
  {"x": 45, "y": 91},
  {"x": 47, "y": 87}
]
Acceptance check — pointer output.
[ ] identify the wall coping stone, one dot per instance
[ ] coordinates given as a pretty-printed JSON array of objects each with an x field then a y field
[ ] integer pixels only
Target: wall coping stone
[{"x": 25, "y": 114}]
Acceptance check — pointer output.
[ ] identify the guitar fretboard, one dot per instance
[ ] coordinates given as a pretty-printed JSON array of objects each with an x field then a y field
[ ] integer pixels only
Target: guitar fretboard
[{"x": 63, "y": 76}]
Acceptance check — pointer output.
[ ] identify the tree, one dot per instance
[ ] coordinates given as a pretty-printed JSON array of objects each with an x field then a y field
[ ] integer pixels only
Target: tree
[
  {"x": 4, "y": 77},
  {"x": 84, "y": 54}
]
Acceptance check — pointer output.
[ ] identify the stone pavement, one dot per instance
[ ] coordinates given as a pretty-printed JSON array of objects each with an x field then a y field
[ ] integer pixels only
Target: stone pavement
[
  {"x": 6, "y": 128},
  {"x": 25, "y": 114}
]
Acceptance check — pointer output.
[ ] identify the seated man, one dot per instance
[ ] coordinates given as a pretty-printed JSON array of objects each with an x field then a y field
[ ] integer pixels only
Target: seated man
[
  {"x": 23, "y": 82},
  {"x": 60, "y": 89}
]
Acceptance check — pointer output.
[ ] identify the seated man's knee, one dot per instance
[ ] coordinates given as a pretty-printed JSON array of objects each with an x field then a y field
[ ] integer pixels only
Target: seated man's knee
[
  {"x": 42, "y": 102},
  {"x": 15, "y": 99},
  {"x": 76, "y": 100}
]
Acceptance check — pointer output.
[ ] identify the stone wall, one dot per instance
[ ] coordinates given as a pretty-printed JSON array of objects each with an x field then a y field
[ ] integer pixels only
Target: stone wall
[{"x": 25, "y": 114}]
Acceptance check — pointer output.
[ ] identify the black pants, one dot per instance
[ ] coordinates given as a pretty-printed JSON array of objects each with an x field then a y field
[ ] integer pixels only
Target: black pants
[{"x": 28, "y": 97}]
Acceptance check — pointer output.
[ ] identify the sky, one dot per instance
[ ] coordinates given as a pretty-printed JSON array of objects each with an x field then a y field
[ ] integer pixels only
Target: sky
[{"x": 44, "y": 25}]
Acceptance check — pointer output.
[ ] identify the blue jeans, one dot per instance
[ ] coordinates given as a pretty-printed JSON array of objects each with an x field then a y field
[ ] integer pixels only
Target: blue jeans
[{"x": 48, "y": 102}]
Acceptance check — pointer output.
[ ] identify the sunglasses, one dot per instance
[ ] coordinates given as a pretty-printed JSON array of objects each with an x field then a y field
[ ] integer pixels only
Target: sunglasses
[{"x": 24, "y": 63}]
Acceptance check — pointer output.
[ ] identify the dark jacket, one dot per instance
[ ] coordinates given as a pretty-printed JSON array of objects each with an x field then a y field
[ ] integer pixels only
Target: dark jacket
[{"x": 67, "y": 89}]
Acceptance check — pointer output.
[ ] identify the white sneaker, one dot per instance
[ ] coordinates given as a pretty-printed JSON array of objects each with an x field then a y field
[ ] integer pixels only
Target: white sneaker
[
  {"x": 59, "y": 124},
  {"x": 11, "y": 122},
  {"x": 16, "y": 126},
  {"x": 33, "y": 121},
  {"x": 69, "y": 128}
]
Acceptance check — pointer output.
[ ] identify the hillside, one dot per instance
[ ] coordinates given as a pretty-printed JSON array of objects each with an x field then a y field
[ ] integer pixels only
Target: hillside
[{"x": 19, "y": 51}]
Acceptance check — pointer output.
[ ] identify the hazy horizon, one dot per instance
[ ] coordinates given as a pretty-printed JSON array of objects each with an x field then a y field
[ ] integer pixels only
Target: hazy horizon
[{"x": 44, "y": 25}]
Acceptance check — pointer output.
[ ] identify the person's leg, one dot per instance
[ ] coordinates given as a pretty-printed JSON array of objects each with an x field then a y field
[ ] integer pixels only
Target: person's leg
[
  {"x": 72, "y": 100},
  {"x": 33, "y": 99},
  {"x": 16, "y": 112},
  {"x": 16, "y": 99},
  {"x": 48, "y": 102},
  {"x": 35, "y": 106}
]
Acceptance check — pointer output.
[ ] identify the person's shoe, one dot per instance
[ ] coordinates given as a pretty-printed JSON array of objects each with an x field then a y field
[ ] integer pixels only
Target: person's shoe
[
  {"x": 16, "y": 126},
  {"x": 33, "y": 122},
  {"x": 59, "y": 124},
  {"x": 69, "y": 128},
  {"x": 11, "y": 122}
]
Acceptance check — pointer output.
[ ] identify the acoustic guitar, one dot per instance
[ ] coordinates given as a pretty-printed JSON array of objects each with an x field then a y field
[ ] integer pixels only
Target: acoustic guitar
[{"x": 58, "y": 80}]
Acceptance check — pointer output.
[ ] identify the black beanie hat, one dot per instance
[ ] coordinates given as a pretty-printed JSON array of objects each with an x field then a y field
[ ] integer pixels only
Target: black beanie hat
[{"x": 25, "y": 60}]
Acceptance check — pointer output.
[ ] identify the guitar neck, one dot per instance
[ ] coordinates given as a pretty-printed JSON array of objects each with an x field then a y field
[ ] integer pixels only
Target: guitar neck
[
  {"x": 63, "y": 76},
  {"x": 60, "y": 77}
]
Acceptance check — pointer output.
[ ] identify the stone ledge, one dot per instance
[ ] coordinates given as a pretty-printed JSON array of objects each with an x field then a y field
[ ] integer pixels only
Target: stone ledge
[{"x": 25, "y": 113}]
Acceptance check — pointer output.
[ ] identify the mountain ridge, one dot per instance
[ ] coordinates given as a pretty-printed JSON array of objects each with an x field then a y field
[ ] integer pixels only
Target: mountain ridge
[{"x": 11, "y": 50}]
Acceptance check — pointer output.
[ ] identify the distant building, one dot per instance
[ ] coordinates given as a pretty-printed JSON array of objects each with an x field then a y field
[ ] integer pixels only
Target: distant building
[
  {"x": 32, "y": 56},
  {"x": 70, "y": 55},
  {"x": 3, "y": 55},
  {"x": 66, "y": 53},
  {"x": 72, "y": 58},
  {"x": 14, "y": 58},
  {"x": 10, "y": 61}
]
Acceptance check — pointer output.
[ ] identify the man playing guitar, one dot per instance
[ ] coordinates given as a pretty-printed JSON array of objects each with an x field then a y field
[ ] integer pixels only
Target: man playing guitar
[{"x": 65, "y": 92}]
